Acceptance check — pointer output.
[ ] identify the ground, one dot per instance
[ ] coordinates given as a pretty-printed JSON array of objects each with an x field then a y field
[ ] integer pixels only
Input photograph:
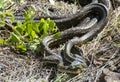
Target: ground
[{"x": 103, "y": 51}]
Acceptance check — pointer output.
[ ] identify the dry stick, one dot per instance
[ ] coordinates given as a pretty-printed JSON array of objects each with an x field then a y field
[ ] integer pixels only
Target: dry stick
[
  {"x": 90, "y": 69},
  {"x": 116, "y": 60},
  {"x": 9, "y": 6},
  {"x": 90, "y": 66}
]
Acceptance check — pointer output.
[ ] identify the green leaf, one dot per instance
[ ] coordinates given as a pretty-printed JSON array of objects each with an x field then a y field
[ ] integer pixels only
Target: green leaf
[
  {"x": 45, "y": 28},
  {"x": 35, "y": 27},
  {"x": 51, "y": 24},
  {"x": 43, "y": 36},
  {"x": 29, "y": 29},
  {"x": 29, "y": 15},
  {"x": 42, "y": 21},
  {"x": 19, "y": 30},
  {"x": 2, "y": 41},
  {"x": 2, "y": 23},
  {"x": 1, "y": 10},
  {"x": 22, "y": 47},
  {"x": 14, "y": 38},
  {"x": 57, "y": 35},
  {"x": 41, "y": 26},
  {"x": 33, "y": 35},
  {"x": 1, "y": 3},
  {"x": 19, "y": 24},
  {"x": 12, "y": 19}
]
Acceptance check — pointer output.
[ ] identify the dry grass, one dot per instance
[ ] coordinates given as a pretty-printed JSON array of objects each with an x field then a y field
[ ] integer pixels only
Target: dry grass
[
  {"x": 17, "y": 67},
  {"x": 104, "y": 50},
  {"x": 60, "y": 8}
]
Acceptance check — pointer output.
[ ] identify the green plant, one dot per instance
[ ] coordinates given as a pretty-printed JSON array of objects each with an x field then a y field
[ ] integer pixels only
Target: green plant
[
  {"x": 28, "y": 34},
  {"x": 3, "y": 4}
]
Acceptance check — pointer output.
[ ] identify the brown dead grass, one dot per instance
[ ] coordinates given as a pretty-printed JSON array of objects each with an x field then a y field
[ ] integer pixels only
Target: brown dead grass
[{"x": 17, "y": 67}]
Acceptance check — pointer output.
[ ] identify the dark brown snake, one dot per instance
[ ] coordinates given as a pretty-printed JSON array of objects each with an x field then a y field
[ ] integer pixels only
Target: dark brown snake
[{"x": 75, "y": 29}]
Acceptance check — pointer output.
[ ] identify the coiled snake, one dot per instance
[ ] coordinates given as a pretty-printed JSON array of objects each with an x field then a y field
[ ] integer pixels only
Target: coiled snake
[
  {"x": 75, "y": 29},
  {"x": 70, "y": 59}
]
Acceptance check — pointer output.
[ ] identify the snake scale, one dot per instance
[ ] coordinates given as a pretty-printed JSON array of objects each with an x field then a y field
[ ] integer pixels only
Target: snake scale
[{"x": 75, "y": 29}]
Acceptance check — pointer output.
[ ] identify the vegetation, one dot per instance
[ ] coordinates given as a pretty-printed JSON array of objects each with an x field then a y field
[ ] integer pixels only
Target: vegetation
[{"x": 28, "y": 34}]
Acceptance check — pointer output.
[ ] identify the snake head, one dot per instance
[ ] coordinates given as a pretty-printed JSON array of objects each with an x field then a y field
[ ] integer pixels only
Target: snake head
[
  {"x": 78, "y": 65},
  {"x": 79, "y": 60}
]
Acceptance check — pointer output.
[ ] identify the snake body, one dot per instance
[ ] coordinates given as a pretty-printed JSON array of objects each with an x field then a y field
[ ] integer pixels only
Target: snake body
[
  {"x": 73, "y": 31},
  {"x": 64, "y": 22},
  {"x": 100, "y": 25},
  {"x": 82, "y": 33}
]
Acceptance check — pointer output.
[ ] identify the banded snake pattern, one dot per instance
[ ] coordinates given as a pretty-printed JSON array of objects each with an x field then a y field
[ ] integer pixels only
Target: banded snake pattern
[
  {"x": 75, "y": 30},
  {"x": 90, "y": 21}
]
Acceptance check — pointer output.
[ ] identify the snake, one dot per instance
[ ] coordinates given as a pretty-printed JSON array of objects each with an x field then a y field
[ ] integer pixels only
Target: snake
[
  {"x": 75, "y": 29},
  {"x": 79, "y": 34},
  {"x": 63, "y": 22}
]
